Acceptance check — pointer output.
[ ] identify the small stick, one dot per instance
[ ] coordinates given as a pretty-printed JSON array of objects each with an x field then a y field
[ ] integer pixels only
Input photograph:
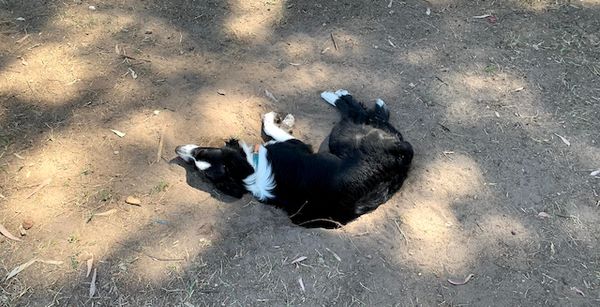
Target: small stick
[
  {"x": 438, "y": 78},
  {"x": 401, "y": 232},
  {"x": 333, "y": 40},
  {"x": 40, "y": 187},
  {"x": 550, "y": 277},
  {"x": 334, "y": 255},
  {"x": 322, "y": 220},
  {"x": 161, "y": 139},
  {"x": 301, "y": 207}
]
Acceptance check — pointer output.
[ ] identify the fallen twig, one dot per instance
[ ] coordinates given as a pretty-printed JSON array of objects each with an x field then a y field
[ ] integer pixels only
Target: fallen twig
[
  {"x": 334, "y": 255},
  {"x": 40, "y": 187},
  {"x": 401, "y": 232},
  {"x": 338, "y": 224},
  {"x": 333, "y": 40},
  {"x": 460, "y": 282},
  {"x": 161, "y": 138},
  {"x": 304, "y": 204}
]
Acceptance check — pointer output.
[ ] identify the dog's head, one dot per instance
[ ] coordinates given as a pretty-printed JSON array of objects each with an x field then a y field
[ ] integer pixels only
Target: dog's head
[{"x": 225, "y": 167}]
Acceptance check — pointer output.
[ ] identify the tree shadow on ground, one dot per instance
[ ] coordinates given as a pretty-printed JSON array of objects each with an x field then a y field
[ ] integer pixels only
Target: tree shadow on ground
[{"x": 487, "y": 162}]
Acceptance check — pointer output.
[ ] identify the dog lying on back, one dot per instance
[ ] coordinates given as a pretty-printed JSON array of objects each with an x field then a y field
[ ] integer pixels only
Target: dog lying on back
[{"x": 367, "y": 163}]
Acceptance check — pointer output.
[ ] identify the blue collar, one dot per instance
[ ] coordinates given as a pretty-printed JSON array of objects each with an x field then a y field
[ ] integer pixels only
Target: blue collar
[{"x": 255, "y": 156}]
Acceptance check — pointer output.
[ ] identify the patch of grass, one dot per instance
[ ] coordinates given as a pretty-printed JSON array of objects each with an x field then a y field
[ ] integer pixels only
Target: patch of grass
[
  {"x": 73, "y": 239},
  {"x": 160, "y": 187},
  {"x": 105, "y": 195},
  {"x": 74, "y": 262},
  {"x": 490, "y": 69}
]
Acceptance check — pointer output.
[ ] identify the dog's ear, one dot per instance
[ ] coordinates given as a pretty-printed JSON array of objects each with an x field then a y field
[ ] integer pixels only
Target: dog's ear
[{"x": 234, "y": 143}]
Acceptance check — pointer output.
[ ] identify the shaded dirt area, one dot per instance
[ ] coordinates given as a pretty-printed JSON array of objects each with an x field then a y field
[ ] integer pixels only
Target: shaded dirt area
[{"x": 502, "y": 111}]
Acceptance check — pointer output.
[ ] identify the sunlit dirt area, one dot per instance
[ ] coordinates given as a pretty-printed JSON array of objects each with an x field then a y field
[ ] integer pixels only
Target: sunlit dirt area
[{"x": 500, "y": 99}]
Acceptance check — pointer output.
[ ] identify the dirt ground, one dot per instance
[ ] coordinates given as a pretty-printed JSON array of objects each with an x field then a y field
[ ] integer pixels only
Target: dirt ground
[{"x": 503, "y": 112}]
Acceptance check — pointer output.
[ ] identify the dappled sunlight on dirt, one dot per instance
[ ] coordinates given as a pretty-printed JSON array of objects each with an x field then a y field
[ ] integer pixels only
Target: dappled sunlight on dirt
[
  {"x": 213, "y": 114},
  {"x": 47, "y": 75},
  {"x": 479, "y": 97},
  {"x": 436, "y": 239},
  {"x": 252, "y": 21},
  {"x": 421, "y": 57},
  {"x": 483, "y": 101}
]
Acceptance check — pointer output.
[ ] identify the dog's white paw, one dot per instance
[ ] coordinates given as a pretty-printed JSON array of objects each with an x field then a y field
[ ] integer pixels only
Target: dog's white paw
[
  {"x": 269, "y": 117},
  {"x": 330, "y": 97},
  {"x": 341, "y": 92},
  {"x": 380, "y": 102}
]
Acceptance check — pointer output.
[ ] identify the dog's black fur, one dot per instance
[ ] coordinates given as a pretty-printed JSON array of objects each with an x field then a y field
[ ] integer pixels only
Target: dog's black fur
[{"x": 367, "y": 162}]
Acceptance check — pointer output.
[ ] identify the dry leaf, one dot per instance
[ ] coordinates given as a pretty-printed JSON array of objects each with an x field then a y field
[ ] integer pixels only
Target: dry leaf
[
  {"x": 132, "y": 72},
  {"x": 428, "y": 12},
  {"x": 543, "y": 215},
  {"x": 595, "y": 173},
  {"x": 334, "y": 255},
  {"x": 90, "y": 264},
  {"x": 563, "y": 139},
  {"x": 460, "y": 282},
  {"x": 482, "y": 16},
  {"x": 7, "y": 233},
  {"x": 301, "y": 284},
  {"x": 23, "y": 39},
  {"x": 518, "y": 89},
  {"x": 117, "y": 132},
  {"x": 20, "y": 268},
  {"x": 25, "y": 265},
  {"x": 133, "y": 201},
  {"x": 93, "y": 284},
  {"x": 578, "y": 291},
  {"x": 299, "y": 259},
  {"x": 270, "y": 95},
  {"x": 105, "y": 213}
]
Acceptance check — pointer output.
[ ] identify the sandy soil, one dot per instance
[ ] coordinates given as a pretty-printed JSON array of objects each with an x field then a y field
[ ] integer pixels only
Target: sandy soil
[{"x": 502, "y": 111}]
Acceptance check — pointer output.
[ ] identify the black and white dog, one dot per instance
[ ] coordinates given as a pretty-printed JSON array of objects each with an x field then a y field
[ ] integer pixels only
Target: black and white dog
[{"x": 366, "y": 164}]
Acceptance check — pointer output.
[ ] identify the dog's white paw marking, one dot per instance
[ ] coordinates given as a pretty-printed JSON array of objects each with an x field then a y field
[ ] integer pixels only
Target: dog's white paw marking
[
  {"x": 202, "y": 165},
  {"x": 330, "y": 97},
  {"x": 380, "y": 102},
  {"x": 341, "y": 92},
  {"x": 185, "y": 152},
  {"x": 272, "y": 130},
  {"x": 269, "y": 117}
]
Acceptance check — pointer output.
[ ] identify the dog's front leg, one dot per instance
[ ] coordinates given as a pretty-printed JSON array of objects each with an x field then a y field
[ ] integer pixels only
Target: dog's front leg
[{"x": 271, "y": 129}]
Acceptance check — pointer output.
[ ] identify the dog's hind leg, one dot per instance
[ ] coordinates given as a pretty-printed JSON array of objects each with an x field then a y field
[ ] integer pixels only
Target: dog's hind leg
[
  {"x": 345, "y": 103},
  {"x": 380, "y": 111},
  {"x": 272, "y": 130}
]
